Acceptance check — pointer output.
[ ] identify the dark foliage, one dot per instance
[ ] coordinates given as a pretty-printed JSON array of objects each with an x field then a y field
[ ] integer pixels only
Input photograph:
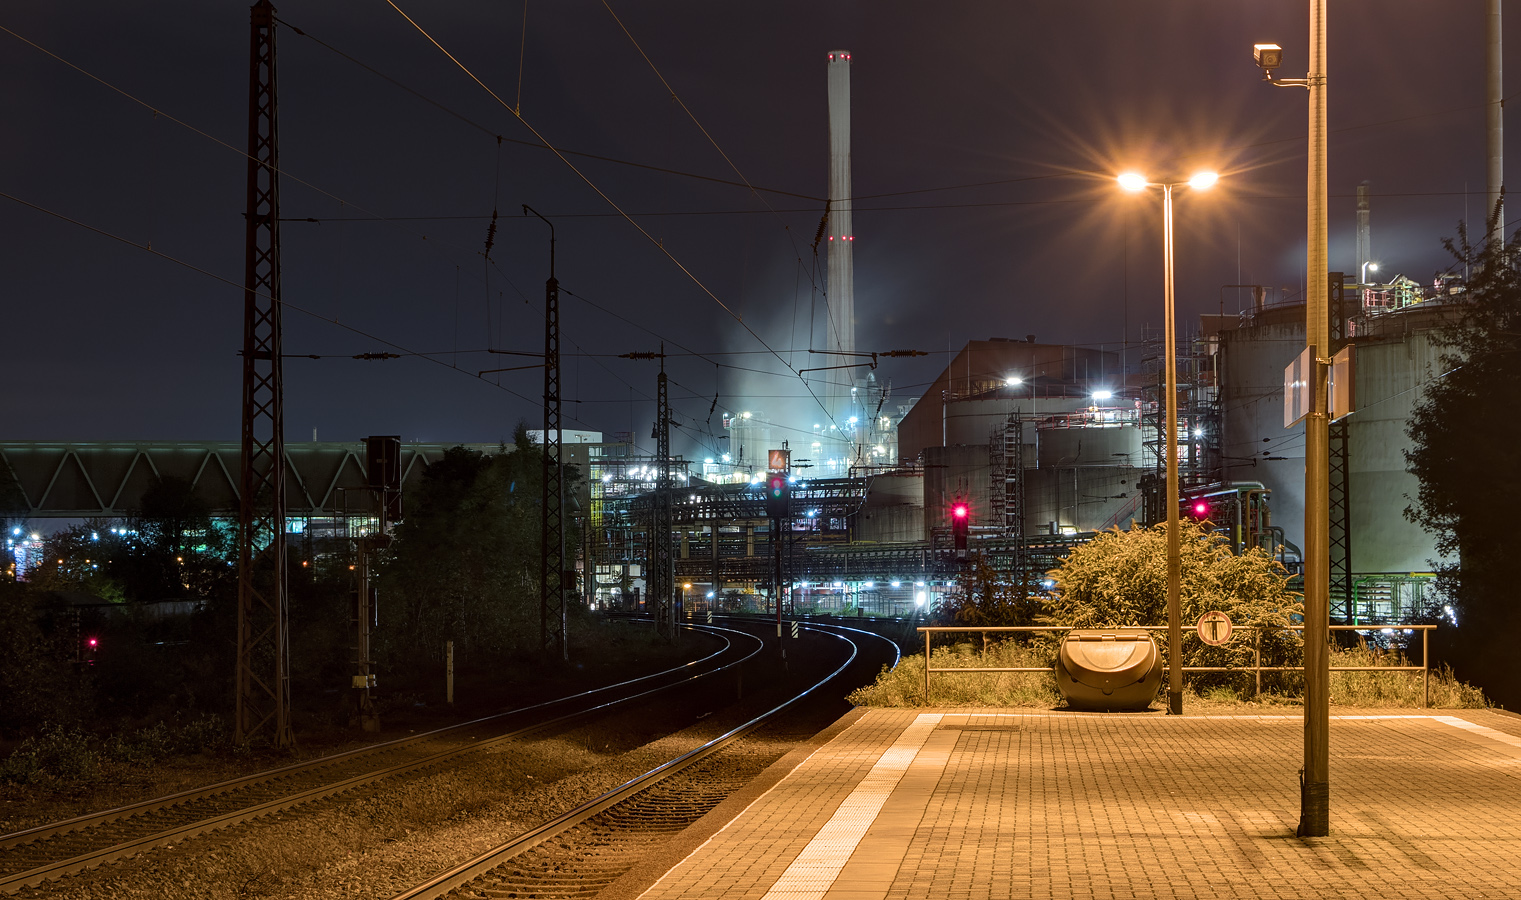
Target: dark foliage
[
  {"x": 464, "y": 566},
  {"x": 1465, "y": 447},
  {"x": 987, "y": 597},
  {"x": 40, "y": 680}
]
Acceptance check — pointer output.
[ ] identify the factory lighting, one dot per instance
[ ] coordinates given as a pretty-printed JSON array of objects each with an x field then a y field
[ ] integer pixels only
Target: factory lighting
[
  {"x": 919, "y": 598},
  {"x": 1133, "y": 181},
  {"x": 1103, "y": 395},
  {"x": 868, "y": 584},
  {"x": 744, "y": 415},
  {"x": 897, "y": 583},
  {"x": 1013, "y": 380}
]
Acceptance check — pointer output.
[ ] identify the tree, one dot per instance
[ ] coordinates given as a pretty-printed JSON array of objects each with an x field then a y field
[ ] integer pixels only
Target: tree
[
  {"x": 1464, "y": 446},
  {"x": 1120, "y": 579},
  {"x": 465, "y": 562}
]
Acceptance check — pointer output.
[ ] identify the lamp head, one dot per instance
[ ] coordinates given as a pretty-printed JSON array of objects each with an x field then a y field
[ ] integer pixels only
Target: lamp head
[
  {"x": 1133, "y": 181},
  {"x": 1203, "y": 180}
]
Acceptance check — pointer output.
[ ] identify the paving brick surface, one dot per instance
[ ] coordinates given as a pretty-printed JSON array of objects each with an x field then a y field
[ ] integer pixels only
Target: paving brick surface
[{"x": 995, "y": 805}]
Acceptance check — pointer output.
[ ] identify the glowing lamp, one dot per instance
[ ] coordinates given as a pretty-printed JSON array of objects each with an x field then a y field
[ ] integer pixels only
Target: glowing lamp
[{"x": 1203, "y": 180}]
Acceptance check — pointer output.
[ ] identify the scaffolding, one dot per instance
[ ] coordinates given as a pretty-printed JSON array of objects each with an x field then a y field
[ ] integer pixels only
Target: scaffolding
[
  {"x": 1200, "y": 453},
  {"x": 1006, "y": 449}
]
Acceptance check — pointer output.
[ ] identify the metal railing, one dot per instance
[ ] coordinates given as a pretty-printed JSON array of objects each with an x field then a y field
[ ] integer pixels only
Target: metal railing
[{"x": 1257, "y": 668}]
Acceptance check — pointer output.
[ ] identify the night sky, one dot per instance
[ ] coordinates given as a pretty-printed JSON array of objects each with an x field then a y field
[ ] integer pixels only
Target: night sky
[{"x": 985, "y": 139}]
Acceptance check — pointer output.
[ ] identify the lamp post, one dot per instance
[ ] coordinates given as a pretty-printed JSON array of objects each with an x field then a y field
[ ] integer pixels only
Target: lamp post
[
  {"x": 1367, "y": 267},
  {"x": 1315, "y": 777},
  {"x": 1133, "y": 181}
]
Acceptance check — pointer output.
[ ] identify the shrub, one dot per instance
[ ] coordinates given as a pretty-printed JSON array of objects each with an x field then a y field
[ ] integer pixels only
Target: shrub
[
  {"x": 1120, "y": 579},
  {"x": 56, "y": 753}
]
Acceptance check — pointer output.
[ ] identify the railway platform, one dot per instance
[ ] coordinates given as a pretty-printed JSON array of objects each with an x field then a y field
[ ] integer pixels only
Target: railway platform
[{"x": 900, "y": 804}]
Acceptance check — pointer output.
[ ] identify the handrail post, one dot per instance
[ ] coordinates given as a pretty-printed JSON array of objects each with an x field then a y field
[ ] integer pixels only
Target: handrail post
[
  {"x": 1257, "y": 655},
  {"x": 1426, "y": 667},
  {"x": 926, "y": 667}
]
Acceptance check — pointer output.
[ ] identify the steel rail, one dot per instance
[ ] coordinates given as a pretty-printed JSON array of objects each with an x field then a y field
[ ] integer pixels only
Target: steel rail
[
  {"x": 90, "y": 820},
  {"x": 440, "y": 885},
  {"x": 91, "y": 859}
]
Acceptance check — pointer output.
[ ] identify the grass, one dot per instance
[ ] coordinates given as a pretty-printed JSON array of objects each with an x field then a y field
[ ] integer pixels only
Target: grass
[{"x": 903, "y": 687}]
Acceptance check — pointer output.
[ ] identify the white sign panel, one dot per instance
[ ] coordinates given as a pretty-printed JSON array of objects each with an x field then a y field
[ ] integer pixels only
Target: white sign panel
[
  {"x": 1343, "y": 386},
  {"x": 1297, "y": 388}
]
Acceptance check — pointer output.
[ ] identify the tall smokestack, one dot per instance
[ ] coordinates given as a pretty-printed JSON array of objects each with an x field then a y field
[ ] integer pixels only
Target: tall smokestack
[
  {"x": 1494, "y": 93},
  {"x": 1364, "y": 230},
  {"x": 841, "y": 332}
]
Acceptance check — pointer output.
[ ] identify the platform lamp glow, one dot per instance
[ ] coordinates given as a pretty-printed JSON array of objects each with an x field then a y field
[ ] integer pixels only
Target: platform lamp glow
[{"x": 1136, "y": 182}]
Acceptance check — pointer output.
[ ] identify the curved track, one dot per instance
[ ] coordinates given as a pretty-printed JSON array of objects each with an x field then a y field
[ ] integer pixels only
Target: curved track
[
  {"x": 594, "y": 844},
  {"x": 51, "y": 851}
]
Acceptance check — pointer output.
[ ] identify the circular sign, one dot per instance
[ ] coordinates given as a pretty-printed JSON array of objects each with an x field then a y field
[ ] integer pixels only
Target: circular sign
[{"x": 1215, "y": 628}]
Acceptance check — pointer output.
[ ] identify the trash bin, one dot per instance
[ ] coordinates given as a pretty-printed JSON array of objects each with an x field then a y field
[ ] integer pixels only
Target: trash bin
[{"x": 1109, "y": 668}]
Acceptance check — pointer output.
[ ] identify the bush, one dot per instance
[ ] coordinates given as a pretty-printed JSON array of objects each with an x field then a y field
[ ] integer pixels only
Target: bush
[
  {"x": 56, "y": 753},
  {"x": 140, "y": 747},
  {"x": 1120, "y": 579}
]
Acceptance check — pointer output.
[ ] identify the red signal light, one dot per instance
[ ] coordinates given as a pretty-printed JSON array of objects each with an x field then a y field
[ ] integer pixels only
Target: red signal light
[
  {"x": 959, "y": 510},
  {"x": 1201, "y": 508},
  {"x": 94, "y": 642}
]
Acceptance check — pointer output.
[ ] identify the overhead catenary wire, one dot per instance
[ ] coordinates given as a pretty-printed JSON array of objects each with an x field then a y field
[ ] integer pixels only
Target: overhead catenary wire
[
  {"x": 653, "y": 241},
  {"x": 284, "y": 304}
]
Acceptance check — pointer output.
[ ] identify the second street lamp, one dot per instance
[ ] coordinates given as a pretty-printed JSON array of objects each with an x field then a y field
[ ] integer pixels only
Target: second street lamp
[{"x": 1134, "y": 181}]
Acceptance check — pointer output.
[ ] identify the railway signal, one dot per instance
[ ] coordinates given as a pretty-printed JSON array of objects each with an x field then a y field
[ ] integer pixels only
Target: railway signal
[
  {"x": 961, "y": 524},
  {"x": 778, "y": 495}
]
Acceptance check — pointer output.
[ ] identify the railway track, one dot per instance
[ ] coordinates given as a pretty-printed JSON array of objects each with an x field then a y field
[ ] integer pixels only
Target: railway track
[
  {"x": 583, "y": 851},
  {"x": 38, "y": 855}
]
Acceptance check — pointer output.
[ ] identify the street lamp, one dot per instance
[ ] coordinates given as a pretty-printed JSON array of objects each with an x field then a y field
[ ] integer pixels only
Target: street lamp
[
  {"x": 1134, "y": 181},
  {"x": 1367, "y": 267},
  {"x": 1315, "y": 777}
]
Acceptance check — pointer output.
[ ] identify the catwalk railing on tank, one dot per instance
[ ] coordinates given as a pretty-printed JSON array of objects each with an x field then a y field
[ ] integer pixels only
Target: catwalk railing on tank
[
  {"x": 873, "y": 562},
  {"x": 827, "y": 498}
]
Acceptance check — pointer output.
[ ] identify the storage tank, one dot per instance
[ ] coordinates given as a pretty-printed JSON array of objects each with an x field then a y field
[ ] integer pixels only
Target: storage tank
[{"x": 1077, "y": 445}]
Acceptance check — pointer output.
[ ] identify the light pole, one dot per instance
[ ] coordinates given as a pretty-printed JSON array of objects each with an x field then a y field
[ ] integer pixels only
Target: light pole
[
  {"x": 1315, "y": 777},
  {"x": 1134, "y": 181},
  {"x": 1367, "y": 267}
]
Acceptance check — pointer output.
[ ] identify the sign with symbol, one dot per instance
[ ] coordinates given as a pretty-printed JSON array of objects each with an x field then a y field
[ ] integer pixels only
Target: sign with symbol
[
  {"x": 710, "y": 617},
  {"x": 778, "y": 460},
  {"x": 794, "y": 629},
  {"x": 1215, "y": 628}
]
